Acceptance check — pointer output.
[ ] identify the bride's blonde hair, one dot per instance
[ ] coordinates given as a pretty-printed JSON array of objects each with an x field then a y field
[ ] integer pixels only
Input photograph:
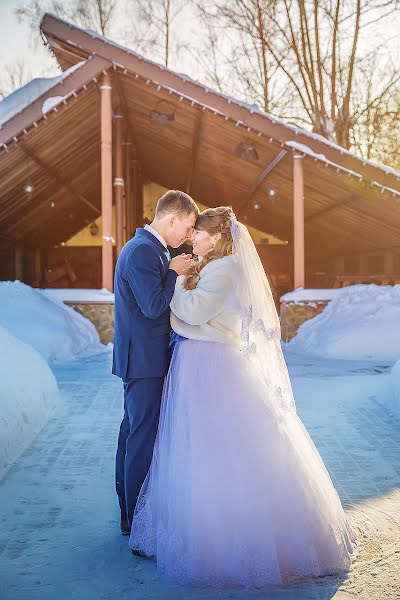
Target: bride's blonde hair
[{"x": 212, "y": 220}]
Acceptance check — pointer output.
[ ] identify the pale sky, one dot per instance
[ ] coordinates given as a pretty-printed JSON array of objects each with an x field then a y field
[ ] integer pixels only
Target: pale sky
[{"x": 17, "y": 45}]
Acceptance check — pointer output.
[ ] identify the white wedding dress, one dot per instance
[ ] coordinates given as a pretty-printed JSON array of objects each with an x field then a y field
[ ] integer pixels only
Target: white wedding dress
[{"x": 237, "y": 493}]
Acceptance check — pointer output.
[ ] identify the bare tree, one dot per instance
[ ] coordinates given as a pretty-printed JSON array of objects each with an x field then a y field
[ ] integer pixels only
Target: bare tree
[
  {"x": 311, "y": 63},
  {"x": 90, "y": 14},
  {"x": 299, "y": 58},
  {"x": 95, "y": 14},
  {"x": 13, "y": 77},
  {"x": 376, "y": 133},
  {"x": 151, "y": 28},
  {"x": 236, "y": 33}
]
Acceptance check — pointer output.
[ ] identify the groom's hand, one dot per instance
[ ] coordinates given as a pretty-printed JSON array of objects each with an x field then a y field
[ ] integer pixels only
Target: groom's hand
[{"x": 181, "y": 263}]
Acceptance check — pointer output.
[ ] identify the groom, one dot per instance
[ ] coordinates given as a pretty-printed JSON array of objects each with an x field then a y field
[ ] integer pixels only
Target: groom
[{"x": 144, "y": 284}]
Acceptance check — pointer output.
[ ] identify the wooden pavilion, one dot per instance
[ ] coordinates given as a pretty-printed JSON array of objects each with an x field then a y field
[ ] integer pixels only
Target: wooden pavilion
[{"x": 115, "y": 120}]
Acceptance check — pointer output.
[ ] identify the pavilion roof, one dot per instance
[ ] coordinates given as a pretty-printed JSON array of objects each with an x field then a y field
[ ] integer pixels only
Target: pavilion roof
[{"x": 350, "y": 203}]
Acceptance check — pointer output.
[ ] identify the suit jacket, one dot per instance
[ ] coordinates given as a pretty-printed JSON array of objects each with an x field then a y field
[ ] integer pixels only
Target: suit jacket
[{"x": 143, "y": 288}]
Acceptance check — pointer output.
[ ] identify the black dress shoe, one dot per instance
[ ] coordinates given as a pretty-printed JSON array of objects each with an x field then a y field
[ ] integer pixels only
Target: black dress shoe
[
  {"x": 138, "y": 553},
  {"x": 125, "y": 529}
]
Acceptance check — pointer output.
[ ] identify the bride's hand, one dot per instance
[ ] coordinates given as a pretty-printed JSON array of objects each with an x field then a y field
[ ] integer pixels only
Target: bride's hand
[{"x": 180, "y": 263}]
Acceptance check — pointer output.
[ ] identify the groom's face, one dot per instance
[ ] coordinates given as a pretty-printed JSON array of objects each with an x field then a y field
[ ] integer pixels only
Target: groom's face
[{"x": 180, "y": 229}]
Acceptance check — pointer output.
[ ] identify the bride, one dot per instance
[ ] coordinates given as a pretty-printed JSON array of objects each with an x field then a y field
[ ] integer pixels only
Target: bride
[{"x": 237, "y": 493}]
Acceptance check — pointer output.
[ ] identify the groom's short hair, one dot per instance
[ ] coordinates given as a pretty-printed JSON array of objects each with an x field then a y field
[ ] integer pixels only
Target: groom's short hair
[{"x": 176, "y": 202}]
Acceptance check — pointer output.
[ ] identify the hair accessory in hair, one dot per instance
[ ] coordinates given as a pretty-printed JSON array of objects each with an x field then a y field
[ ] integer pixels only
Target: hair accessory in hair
[{"x": 232, "y": 217}]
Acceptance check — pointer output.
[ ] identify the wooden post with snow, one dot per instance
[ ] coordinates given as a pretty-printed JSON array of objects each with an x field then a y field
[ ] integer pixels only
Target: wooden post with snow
[
  {"x": 298, "y": 221},
  {"x": 137, "y": 189},
  {"x": 128, "y": 190},
  {"x": 119, "y": 183},
  {"x": 134, "y": 222},
  {"x": 106, "y": 181},
  {"x": 139, "y": 198}
]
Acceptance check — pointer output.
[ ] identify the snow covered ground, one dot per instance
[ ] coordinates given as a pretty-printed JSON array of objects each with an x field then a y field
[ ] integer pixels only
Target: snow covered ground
[
  {"x": 59, "y": 513},
  {"x": 395, "y": 388},
  {"x": 43, "y": 321},
  {"x": 34, "y": 328},
  {"x": 59, "y": 534},
  {"x": 360, "y": 322},
  {"x": 28, "y": 396}
]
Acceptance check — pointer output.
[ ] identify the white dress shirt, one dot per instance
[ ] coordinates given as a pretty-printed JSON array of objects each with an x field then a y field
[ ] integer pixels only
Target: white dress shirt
[{"x": 160, "y": 238}]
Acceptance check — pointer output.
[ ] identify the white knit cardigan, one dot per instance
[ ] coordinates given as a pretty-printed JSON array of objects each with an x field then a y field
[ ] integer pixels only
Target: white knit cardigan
[{"x": 209, "y": 311}]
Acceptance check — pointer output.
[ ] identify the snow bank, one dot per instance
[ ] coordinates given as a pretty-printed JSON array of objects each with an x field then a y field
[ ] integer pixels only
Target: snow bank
[
  {"x": 360, "y": 322},
  {"x": 79, "y": 295},
  {"x": 28, "y": 396},
  {"x": 55, "y": 330},
  {"x": 300, "y": 294}
]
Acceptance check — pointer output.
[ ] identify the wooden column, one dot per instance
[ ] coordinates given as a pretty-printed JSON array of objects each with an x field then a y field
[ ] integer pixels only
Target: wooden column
[
  {"x": 135, "y": 190},
  {"x": 298, "y": 221},
  {"x": 128, "y": 190},
  {"x": 119, "y": 183},
  {"x": 38, "y": 265},
  {"x": 363, "y": 264},
  {"x": 388, "y": 262},
  {"x": 339, "y": 265},
  {"x": 18, "y": 263},
  {"x": 106, "y": 182},
  {"x": 139, "y": 196}
]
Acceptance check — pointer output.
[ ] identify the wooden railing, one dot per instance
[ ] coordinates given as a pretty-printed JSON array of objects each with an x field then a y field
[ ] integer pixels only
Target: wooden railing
[{"x": 345, "y": 280}]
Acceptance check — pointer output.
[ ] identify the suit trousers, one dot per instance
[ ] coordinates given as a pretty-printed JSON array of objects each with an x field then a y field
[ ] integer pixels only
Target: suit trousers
[{"x": 137, "y": 434}]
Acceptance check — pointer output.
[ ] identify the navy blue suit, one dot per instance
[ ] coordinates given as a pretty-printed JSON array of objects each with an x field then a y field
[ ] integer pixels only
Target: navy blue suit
[{"x": 143, "y": 287}]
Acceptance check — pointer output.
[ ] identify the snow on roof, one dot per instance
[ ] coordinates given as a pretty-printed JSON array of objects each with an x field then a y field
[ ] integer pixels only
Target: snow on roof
[
  {"x": 17, "y": 101},
  {"x": 323, "y": 140},
  {"x": 50, "y": 103},
  {"x": 306, "y": 150},
  {"x": 252, "y": 108}
]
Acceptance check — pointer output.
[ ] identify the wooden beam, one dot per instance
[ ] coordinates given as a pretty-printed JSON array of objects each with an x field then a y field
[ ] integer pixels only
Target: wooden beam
[
  {"x": 28, "y": 222},
  {"x": 298, "y": 221},
  {"x": 18, "y": 263},
  {"x": 139, "y": 206},
  {"x": 124, "y": 108},
  {"x": 195, "y": 150},
  {"x": 54, "y": 174},
  {"x": 327, "y": 209},
  {"x": 34, "y": 113},
  {"x": 38, "y": 265},
  {"x": 136, "y": 209},
  {"x": 128, "y": 190},
  {"x": 119, "y": 182},
  {"x": 388, "y": 261},
  {"x": 261, "y": 178},
  {"x": 106, "y": 182},
  {"x": 69, "y": 36}
]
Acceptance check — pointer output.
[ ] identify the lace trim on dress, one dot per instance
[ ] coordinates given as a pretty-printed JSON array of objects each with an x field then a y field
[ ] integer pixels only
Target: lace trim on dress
[{"x": 247, "y": 569}]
